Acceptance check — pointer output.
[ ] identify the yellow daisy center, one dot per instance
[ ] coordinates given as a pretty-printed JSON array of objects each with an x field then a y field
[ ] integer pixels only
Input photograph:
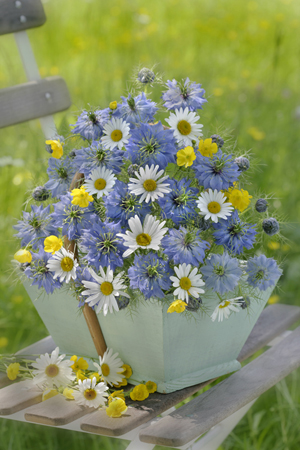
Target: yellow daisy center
[
  {"x": 106, "y": 288},
  {"x": 67, "y": 264},
  {"x": 100, "y": 184},
  {"x": 149, "y": 185},
  {"x": 185, "y": 283},
  {"x": 225, "y": 304},
  {"x": 184, "y": 127},
  {"x": 143, "y": 239},
  {"x": 105, "y": 370},
  {"x": 52, "y": 370},
  {"x": 214, "y": 207},
  {"x": 90, "y": 394},
  {"x": 116, "y": 135}
]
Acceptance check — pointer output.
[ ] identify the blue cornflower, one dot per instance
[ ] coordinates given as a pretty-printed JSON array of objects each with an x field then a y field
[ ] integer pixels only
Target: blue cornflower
[
  {"x": 185, "y": 94},
  {"x": 150, "y": 274},
  {"x": 40, "y": 274},
  {"x": 72, "y": 218},
  {"x": 61, "y": 173},
  {"x": 179, "y": 204},
  {"x": 184, "y": 246},
  {"x": 90, "y": 124},
  {"x": 121, "y": 204},
  {"x": 151, "y": 144},
  {"x": 102, "y": 245},
  {"x": 90, "y": 158},
  {"x": 221, "y": 273},
  {"x": 234, "y": 234},
  {"x": 219, "y": 172},
  {"x": 262, "y": 272},
  {"x": 137, "y": 109},
  {"x": 35, "y": 226}
]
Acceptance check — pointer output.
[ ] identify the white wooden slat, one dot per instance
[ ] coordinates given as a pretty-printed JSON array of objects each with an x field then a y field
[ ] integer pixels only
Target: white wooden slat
[{"x": 17, "y": 15}]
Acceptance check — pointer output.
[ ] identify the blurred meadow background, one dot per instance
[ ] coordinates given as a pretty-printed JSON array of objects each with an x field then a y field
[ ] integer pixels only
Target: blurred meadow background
[{"x": 246, "y": 55}]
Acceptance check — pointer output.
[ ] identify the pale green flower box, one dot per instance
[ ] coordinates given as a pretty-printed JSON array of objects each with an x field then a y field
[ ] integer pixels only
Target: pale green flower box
[{"x": 173, "y": 350}]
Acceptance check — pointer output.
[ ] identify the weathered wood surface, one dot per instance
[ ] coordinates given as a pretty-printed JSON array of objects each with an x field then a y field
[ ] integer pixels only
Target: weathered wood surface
[
  {"x": 56, "y": 411},
  {"x": 33, "y": 100},
  {"x": 203, "y": 412},
  {"x": 18, "y": 15},
  {"x": 17, "y": 396},
  {"x": 44, "y": 345},
  {"x": 273, "y": 320}
]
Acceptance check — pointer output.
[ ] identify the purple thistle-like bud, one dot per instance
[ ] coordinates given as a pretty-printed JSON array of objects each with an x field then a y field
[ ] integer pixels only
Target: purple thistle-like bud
[
  {"x": 40, "y": 194},
  {"x": 270, "y": 226},
  {"x": 261, "y": 205},
  {"x": 243, "y": 163},
  {"x": 217, "y": 140},
  {"x": 146, "y": 76}
]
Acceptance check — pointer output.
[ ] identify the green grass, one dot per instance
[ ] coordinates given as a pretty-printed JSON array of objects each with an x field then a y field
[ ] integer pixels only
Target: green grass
[{"x": 246, "y": 55}]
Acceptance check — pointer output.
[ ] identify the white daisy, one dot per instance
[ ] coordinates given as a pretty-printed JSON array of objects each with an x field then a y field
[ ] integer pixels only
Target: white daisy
[
  {"x": 110, "y": 367},
  {"x": 64, "y": 265},
  {"x": 187, "y": 282},
  {"x": 104, "y": 292},
  {"x": 101, "y": 182},
  {"x": 52, "y": 370},
  {"x": 148, "y": 235},
  {"x": 90, "y": 393},
  {"x": 148, "y": 184},
  {"x": 183, "y": 123},
  {"x": 212, "y": 205},
  {"x": 116, "y": 132},
  {"x": 224, "y": 309}
]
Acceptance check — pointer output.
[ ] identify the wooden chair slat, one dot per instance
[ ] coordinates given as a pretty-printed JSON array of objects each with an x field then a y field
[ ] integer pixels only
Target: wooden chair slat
[
  {"x": 273, "y": 321},
  {"x": 19, "y": 15},
  {"x": 44, "y": 345},
  {"x": 203, "y": 412},
  {"x": 17, "y": 396},
  {"x": 33, "y": 100},
  {"x": 56, "y": 411}
]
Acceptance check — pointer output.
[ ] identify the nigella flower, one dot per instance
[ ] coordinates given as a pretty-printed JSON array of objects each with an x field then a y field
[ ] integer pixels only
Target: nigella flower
[
  {"x": 90, "y": 124},
  {"x": 121, "y": 204},
  {"x": 35, "y": 226},
  {"x": 102, "y": 245},
  {"x": 185, "y": 246},
  {"x": 221, "y": 273},
  {"x": 95, "y": 156},
  {"x": 150, "y": 274},
  {"x": 83, "y": 273},
  {"x": 38, "y": 272},
  {"x": 219, "y": 172},
  {"x": 137, "y": 109},
  {"x": 61, "y": 173},
  {"x": 72, "y": 218},
  {"x": 233, "y": 234},
  {"x": 151, "y": 144},
  {"x": 185, "y": 94},
  {"x": 262, "y": 272},
  {"x": 180, "y": 204}
]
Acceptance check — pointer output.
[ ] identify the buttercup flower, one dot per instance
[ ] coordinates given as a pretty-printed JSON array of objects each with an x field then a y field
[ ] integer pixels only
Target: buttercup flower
[
  {"x": 56, "y": 148},
  {"x": 23, "y": 256},
  {"x": 239, "y": 198},
  {"x": 139, "y": 393},
  {"x": 183, "y": 123},
  {"x": 186, "y": 156},
  {"x": 151, "y": 386},
  {"x": 177, "y": 306},
  {"x": 81, "y": 197},
  {"x": 79, "y": 363},
  {"x": 187, "y": 282},
  {"x": 52, "y": 244},
  {"x": 116, "y": 408},
  {"x": 207, "y": 147},
  {"x": 13, "y": 370}
]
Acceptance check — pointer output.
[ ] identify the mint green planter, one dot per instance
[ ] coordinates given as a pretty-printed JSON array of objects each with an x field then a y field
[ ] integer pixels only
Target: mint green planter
[{"x": 173, "y": 350}]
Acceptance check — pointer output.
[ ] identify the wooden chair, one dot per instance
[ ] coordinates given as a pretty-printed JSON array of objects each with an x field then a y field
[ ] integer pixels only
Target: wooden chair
[
  {"x": 38, "y": 98},
  {"x": 214, "y": 412}
]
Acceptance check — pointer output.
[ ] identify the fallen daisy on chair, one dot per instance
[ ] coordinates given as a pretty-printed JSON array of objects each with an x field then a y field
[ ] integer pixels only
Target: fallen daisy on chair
[
  {"x": 90, "y": 393},
  {"x": 110, "y": 367},
  {"x": 52, "y": 371}
]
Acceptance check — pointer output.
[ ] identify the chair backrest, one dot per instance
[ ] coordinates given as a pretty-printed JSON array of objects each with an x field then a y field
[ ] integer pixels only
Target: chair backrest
[{"x": 38, "y": 98}]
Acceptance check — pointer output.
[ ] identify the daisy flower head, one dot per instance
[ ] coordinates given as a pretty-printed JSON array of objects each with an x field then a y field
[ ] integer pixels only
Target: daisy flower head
[
  {"x": 103, "y": 293},
  {"x": 149, "y": 184},
  {"x": 213, "y": 205},
  {"x": 183, "y": 123},
  {"x": 64, "y": 265},
  {"x": 146, "y": 236},
  {"x": 184, "y": 94},
  {"x": 51, "y": 370},
  {"x": 186, "y": 157},
  {"x": 100, "y": 182},
  {"x": 110, "y": 367},
  {"x": 90, "y": 393},
  {"x": 221, "y": 273},
  {"x": 116, "y": 134},
  {"x": 187, "y": 282},
  {"x": 224, "y": 309},
  {"x": 262, "y": 272}
]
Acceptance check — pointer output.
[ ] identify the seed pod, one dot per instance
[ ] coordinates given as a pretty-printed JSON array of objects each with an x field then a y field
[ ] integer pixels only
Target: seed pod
[
  {"x": 123, "y": 302},
  {"x": 146, "y": 76},
  {"x": 217, "y": 140},
  {"x": 193, "y": 304},
  {"x": 40, "y": 194},
  {"x": 270, "y": 226},
  {"x": 261, "y": 205},
  {"x": 243, "y": 163},
  {"x": 244, "y": 302}
]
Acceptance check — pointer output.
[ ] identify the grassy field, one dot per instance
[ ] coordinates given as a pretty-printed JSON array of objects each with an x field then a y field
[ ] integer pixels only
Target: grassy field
[{"x": 246, "y": 55}]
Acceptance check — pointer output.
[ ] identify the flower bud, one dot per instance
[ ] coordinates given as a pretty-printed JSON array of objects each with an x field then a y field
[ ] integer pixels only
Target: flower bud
[
  {"x": 146, "y": 76},
  {"x": 193, "y": 304},
  {"x": 270, "y": 226},
  {"x": 132, "y": 169},
  {"x": 261, "y": 205},
  {"x": 242, "y": 163},
  {"x": 244, "y": 302},
  {"x": 40, "y": 194},
  {"x": 218, "y": 140},
  {"x": 123, "y": 302}
]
